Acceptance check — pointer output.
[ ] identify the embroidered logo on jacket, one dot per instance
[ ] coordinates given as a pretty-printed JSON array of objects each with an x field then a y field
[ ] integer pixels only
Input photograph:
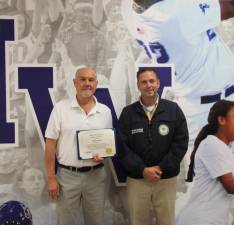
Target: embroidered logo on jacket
[{"x": 163, "y": 129}]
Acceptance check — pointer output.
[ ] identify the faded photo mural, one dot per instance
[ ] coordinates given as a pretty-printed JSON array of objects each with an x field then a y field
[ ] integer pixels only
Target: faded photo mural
[{"x": 43, "y": 42}]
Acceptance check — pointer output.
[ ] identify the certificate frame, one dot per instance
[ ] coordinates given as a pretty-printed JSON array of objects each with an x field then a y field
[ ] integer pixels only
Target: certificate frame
[{"x": 96, "y": 141}]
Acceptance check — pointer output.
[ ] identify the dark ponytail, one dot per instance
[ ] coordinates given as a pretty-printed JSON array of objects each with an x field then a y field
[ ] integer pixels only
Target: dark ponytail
[
  {"x": 220, "y": 108},
  {"x": 205, "y": 131}
]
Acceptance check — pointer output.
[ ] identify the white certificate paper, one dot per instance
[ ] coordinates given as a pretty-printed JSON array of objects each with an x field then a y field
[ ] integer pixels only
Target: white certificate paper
[{"x": 91, "y": 142}]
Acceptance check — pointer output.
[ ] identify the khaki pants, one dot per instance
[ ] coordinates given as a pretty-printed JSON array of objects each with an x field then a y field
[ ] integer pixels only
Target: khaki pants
[
  {"x": 144, "y": 195},
  {"x": 85, "y": 189}
]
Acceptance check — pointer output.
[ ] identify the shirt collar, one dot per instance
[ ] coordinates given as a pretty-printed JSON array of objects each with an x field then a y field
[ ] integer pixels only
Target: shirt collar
[
  {"x": 156, "y": 102},
  {"x": 96, "y": 109}
]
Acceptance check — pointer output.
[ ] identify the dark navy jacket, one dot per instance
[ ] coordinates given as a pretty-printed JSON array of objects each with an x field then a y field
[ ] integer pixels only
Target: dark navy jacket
[{"x": 162, "y": 142}]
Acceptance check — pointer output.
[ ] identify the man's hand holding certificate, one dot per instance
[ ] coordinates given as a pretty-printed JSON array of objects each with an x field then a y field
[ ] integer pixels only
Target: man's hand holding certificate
[{"x": 96, "y": 142}]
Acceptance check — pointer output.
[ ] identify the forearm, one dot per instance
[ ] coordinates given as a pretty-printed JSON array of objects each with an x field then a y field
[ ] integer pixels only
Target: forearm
[
  {"x": 131, "y": 162},
  {"x": 178, "y": 147},
  {"x": 36, "y": 22},
  {"x": 54, "y": 9},
  {"x": 97, "y": 12},
  {"x": 53, "y": 185},
  {"x": 227, "y": 181},
  {"x": 32, "y": 55},
  {"x": 50, "y": 149},
  {"x": 227, "y": 9},
  {"x": 21, "y": 5}
]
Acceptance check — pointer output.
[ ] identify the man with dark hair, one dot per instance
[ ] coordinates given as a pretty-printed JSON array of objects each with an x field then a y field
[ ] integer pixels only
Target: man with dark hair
[{"x": 153, "y": 138}]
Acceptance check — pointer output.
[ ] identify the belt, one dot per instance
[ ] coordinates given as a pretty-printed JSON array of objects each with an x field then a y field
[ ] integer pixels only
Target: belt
[
  {"x": 216, "y": 97},
  {"x": 81, "y": 169}
]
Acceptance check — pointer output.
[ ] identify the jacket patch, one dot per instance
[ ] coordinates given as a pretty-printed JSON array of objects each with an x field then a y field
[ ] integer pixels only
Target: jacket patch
[
  {"x": 139, "y": 130},
  {"x": 163, "y": 129}
]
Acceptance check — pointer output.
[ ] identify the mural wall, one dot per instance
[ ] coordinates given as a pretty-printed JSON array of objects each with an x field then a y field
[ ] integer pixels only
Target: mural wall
[{"x": 39, "y": 54}]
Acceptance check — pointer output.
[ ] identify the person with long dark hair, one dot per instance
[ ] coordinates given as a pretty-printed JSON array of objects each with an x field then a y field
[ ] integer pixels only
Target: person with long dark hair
[{"x": 212, "y": 168}]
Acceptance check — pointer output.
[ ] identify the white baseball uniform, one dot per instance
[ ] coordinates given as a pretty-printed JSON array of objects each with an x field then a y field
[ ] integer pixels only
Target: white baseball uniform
[{"x": 181, "y": 32}]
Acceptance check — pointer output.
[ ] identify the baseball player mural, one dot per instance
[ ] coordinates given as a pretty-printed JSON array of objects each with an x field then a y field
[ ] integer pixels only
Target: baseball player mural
[
  {"x": 177, "y": 37},
  {"x": 182, "y": 32}
]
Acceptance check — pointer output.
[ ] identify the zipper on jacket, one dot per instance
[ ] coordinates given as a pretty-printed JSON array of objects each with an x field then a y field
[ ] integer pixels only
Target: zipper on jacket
[{"x": 149, "y": 132}]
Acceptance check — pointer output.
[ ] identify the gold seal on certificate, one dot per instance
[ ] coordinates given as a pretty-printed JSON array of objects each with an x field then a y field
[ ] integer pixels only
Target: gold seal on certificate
[
  {"x": 91, "y": 142},
  {"x": 108, "y": 151}
]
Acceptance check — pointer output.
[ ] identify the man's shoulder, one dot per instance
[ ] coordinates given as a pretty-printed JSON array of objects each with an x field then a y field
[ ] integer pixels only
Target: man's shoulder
[
  {"x": 131, "y": 107},
  {"x": 171, "y": 108},
  {"x": 168, "y": 105},
  {"x": 102, "y": 107},
  {"x": 168, "y": 102},
  {"x": 63, "y": 102}
]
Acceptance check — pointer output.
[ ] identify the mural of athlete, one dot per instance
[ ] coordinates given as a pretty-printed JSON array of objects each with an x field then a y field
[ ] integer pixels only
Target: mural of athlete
[{"x": 182, "y": 32}]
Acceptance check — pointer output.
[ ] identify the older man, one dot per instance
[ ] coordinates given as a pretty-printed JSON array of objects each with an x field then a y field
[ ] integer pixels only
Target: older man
[{"x": 77, "y": 181}]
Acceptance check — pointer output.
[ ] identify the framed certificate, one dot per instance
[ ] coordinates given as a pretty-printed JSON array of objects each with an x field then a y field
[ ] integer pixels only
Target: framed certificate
[{"x": 91, "y": 142}]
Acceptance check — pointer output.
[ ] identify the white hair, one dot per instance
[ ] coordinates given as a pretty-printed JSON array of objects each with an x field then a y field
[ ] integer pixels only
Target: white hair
[{"x": 76, "y": 69}]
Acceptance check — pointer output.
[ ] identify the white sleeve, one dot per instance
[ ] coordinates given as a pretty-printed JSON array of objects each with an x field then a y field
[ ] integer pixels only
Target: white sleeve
[
  {"x": 217, "y": 159},
  {"x": 128, "y": 17},
  {"x": 110, "y": 122},
  {"x": 53, "y": 126},
  {"x": 108, "y": 117},
  {"x": 198, "y": 16}
]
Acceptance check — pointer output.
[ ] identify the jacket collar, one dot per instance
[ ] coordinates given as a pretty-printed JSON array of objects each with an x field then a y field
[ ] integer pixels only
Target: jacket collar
[{"x": 160, "y": 108}]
